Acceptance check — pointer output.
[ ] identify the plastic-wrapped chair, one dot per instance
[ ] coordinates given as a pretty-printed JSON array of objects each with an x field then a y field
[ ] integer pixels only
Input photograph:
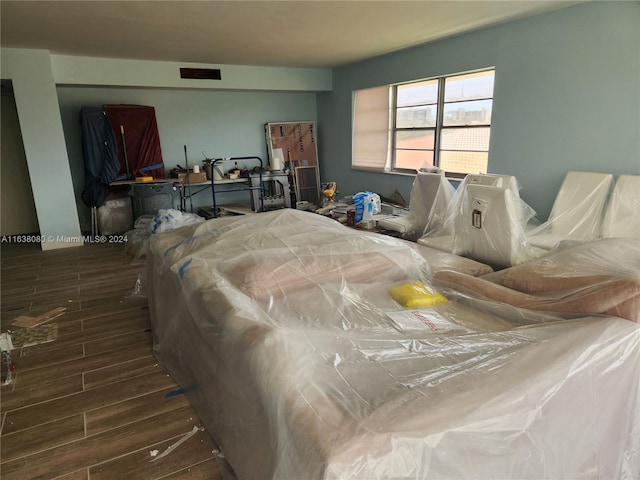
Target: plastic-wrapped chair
[
  {"x": 431, "y": 196},
  {"x": 622, "y": 218},
  {"x": 577, "y": 211},
  {"x": 490, "y": 228},
  {"x": 493, "y": 179},
  {"x": 443, "y": 238}
]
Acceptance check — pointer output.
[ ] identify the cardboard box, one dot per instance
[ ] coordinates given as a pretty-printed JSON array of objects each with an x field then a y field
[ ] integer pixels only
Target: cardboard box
[
  {"x": 296, "y": 142},
  {"x": 30, "y": 322},
  {"x": 199, "y": 177}
]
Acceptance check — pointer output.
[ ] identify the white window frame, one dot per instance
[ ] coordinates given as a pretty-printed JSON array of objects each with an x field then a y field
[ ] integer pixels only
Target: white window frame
[{"x": 371, "y": 151}]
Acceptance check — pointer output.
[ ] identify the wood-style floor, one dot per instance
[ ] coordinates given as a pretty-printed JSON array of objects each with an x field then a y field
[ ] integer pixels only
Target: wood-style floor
[{"x": 93, "y": 403}]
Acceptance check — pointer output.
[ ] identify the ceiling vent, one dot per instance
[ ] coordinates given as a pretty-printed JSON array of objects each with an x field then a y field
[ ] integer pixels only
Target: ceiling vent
[{"x": 201, "y": 73}]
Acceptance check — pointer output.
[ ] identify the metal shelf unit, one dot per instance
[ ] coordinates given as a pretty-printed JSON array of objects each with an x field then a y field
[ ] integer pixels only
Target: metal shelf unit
[{"x": 251, "y": 187}]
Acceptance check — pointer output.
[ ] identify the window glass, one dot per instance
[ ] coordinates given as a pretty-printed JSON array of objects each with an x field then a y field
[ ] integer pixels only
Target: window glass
[
  {"x": 471, "y": 86},
  {"x": 414, "y": 159},
  {"x": 473, "y": 139},
  {"x": 416, "y": 139},
  {"x": 418, "y": 93},
  {"x": 464, "y": 162},
  {"x": 408, "y": 117},
  {"x": 477, "y": 112},
  {"x": 443, "y": 122}
]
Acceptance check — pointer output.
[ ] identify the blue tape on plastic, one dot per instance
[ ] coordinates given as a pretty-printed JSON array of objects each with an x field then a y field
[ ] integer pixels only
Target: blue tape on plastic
[
  {"x": 187, "y": 241},
  {"x": 183, "y": 267}
]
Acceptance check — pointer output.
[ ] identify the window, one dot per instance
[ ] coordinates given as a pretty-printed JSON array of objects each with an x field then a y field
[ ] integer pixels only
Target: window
[{"x": 443, "y": 122}]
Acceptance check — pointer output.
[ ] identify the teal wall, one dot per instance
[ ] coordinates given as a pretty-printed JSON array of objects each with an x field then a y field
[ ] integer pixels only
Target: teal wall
[
  {"x": 44, "y": 146},
  {"x": 219, "y": 123},
  {"x": 567, "y": 97},
  {"x": 225, "y": 116}
]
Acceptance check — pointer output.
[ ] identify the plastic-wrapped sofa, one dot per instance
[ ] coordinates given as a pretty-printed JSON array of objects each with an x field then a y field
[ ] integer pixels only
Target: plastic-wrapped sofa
[
  {"x": 598, "y": 277},
  {"x": 281, "y": 328}
]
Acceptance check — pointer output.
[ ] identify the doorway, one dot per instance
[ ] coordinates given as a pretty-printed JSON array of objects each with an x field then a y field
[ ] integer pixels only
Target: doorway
[{"x": 17, "y": 208}]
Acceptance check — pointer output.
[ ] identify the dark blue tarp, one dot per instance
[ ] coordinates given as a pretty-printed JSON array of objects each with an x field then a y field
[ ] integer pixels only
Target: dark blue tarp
[{"x": 100, "y": 151}]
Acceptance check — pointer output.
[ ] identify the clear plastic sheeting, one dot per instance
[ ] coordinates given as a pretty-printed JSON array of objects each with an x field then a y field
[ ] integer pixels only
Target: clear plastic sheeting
[
  {"x": 137, "y": 243},
  {"x": 439, "y": 260},
  {"x": 170, "y": 219},
  {"x": 577, "y": 212},
  {"x": 599, "y": 277},
  {"x": 443, "y": 238},
  {"x": 163, "y": 221},
  {"x": 622, "y": 218},
  {"x": 138, "y": 238},
  {"x": 487, "y": 223},
  {"x": 115, "y": 216},
  {"x": 491, "y": 227},
  {"x": 429, "y": 203},
  {"x": 281, "y": 329}
]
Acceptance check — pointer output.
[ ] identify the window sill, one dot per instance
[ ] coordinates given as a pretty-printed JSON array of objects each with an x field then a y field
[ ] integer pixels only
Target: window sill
[{"x": 455, "y": 177}]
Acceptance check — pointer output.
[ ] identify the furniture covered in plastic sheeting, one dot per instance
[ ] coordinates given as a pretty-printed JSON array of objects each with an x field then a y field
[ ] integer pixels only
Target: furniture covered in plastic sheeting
[
  {"x": 622, "y": 218},
  {"x": 487, "y": 223},
  {"x": 444, "y": 238},
  {"x": 115, "y": 216},
  {"x": 281, "y": 329},
  {"x": 598, "y": 277},
  {"x": 104, "y": 129},
  {"x": 577, "y": 211},
  {"x": 136, "y": 129},
  {"x": 494, "y": 179},
  {"x": 429, "y": 202},
  {"x": 490, "y": 227},
  {"x": 439, "y": 260}
]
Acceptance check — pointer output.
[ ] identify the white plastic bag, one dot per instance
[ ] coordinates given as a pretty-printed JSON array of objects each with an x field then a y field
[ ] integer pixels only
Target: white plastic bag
[
  {"x": 170, "y": 219},
  {"x": 367, "y": 204}
]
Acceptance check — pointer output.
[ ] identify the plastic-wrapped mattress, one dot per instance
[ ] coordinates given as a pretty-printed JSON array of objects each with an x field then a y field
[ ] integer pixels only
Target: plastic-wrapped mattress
[{"x": 281, "y": 329}]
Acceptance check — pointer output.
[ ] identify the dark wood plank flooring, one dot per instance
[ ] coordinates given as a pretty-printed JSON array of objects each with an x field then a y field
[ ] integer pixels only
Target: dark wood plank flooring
[{"x": 91, "y": 404}]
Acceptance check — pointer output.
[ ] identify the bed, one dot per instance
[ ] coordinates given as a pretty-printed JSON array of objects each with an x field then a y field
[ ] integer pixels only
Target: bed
[{"x": 281, "y": 329}]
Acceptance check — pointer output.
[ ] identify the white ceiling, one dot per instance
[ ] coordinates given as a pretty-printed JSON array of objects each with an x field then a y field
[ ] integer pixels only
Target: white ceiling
[{"x": 302, "y": 33}]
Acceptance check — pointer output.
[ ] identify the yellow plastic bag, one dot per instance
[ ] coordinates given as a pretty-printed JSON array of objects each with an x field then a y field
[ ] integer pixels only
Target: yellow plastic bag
[{"x": 416, "y": 294}]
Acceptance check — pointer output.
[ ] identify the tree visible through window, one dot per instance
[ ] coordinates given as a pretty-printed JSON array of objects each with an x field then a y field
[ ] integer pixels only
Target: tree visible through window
[{"x": 443, "y": 122}]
